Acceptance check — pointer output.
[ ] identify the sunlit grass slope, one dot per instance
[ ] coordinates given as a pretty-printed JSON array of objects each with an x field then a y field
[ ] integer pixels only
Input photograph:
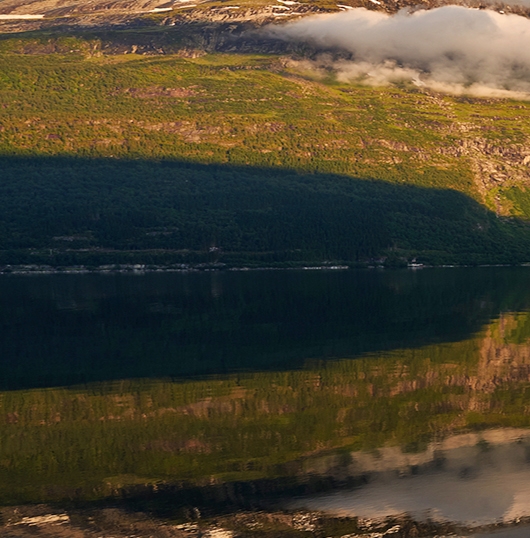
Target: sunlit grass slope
[{"x": 250, "y": 116}]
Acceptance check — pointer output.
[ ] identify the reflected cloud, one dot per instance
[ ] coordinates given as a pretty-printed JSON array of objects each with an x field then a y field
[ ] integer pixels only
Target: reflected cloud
[{"x": 473, "y": 479}]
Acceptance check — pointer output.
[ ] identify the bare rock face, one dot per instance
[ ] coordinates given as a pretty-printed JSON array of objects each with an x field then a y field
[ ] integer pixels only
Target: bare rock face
[{"x": 24, "y": 15}]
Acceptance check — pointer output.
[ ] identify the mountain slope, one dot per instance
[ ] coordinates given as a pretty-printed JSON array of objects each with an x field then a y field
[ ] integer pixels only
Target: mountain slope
[{"x": 252, "y": 155}]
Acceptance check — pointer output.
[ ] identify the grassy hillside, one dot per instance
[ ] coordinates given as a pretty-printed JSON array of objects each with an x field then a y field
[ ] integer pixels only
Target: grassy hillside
[{"x": 166, "y": 159}]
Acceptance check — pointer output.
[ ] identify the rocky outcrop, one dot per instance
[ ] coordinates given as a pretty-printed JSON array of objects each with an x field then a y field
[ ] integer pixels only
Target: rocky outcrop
[{"x": 494, "y": 163}]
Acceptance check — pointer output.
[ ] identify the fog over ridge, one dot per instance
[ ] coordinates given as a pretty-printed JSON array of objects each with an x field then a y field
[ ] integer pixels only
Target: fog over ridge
[{"x": 451, "y": 48}]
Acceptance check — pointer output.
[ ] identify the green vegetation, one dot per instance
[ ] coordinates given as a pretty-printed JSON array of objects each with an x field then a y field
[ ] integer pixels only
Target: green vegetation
[{"x": 166, "y": 159}]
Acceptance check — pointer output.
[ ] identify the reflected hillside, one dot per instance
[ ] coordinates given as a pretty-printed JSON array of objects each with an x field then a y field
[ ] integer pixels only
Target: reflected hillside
[
  {"x": 64, "y": 330},
  {"x": 326, "y": 421}
]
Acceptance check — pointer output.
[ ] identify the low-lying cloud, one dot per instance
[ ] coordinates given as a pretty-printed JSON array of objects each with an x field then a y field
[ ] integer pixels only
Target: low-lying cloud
[{"x": 451, "y": 48}]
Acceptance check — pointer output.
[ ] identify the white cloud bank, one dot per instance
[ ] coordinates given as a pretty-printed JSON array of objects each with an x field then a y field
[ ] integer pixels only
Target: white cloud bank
[{"x": 451, "y": 48}]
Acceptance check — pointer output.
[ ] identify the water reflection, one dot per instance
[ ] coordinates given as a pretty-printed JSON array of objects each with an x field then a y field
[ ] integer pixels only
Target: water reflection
[
  {"x": 427, "y": 411},
  {"x": 473, "y": 479},
  {"x": 61, "y": 330}
]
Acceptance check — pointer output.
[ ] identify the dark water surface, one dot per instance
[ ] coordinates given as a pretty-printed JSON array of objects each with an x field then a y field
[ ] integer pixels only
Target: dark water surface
[
  {"x": 359, "y": 393},
  {"x": 67, "y": 329}
]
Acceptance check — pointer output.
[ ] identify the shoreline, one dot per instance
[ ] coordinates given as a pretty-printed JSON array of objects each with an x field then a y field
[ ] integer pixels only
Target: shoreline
[{"x": 140, "y": 269}]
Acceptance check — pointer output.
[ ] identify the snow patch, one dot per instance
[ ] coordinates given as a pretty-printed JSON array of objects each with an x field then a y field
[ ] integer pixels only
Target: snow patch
[{"x": 12, "y": 17}]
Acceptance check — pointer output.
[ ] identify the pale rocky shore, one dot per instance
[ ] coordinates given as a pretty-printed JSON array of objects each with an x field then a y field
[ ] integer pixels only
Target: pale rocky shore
[{"x": 52, "y": 522}]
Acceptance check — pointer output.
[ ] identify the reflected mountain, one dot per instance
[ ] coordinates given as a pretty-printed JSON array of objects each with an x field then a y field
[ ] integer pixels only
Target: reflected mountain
[{"x": 448, "y": 409}]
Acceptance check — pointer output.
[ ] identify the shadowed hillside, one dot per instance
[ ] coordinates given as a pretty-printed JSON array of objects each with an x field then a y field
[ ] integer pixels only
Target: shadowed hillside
[{"x": 64, "y": 211}]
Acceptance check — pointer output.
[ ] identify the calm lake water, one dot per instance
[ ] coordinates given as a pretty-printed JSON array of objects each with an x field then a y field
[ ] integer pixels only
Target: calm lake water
[{"x": 364, "y": 393}]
